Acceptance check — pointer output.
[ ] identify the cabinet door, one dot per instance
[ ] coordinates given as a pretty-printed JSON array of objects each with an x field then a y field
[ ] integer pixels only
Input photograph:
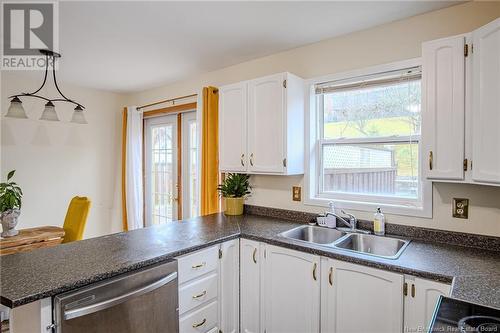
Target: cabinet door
[
  {"x": 291, "y": 291},
  {"x": 420, "y": 301},
  {"x": 486, "y": 104},
  {"x": 443, "y": 92},
  {"x": 250, "y": 286},
  {"x": 360, "y": 299},
  {"x": 266, "y": 120},
  {"x": 233, "y": 127},
  {"x": 229, "y": 286}
]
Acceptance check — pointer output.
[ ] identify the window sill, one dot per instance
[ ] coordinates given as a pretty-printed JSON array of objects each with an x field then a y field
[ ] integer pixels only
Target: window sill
[{"x": 406, "y": 210}]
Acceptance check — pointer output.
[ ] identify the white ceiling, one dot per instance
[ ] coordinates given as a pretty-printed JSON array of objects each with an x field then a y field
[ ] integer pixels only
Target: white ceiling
[{"x": 133, "y": 46}]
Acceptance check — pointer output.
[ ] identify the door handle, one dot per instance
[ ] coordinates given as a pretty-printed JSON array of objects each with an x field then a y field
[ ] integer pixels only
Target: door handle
[
  {"x": 314, "y": 271},
  {"x": 251, "y": 159},
  {"x": 431, "y": 160},
  {"x": 241, "y": 159},
  {"x": 85, "y": 310},
  {"x": 330, "y": 276},
  {"x": 254, "y": 255}
]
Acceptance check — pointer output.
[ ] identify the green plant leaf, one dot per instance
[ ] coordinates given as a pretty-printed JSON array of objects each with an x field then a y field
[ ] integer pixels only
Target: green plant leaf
[
  {"x": 10, "y": 174},
  {"x": 235, "y": 185}
]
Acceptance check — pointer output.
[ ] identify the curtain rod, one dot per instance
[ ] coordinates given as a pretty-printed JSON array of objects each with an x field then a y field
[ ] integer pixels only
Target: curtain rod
[{"x": 165, "y": 101}]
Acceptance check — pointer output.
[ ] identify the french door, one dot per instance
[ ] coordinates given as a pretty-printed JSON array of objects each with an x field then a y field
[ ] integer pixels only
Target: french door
[{"x": 171, "y": 168}]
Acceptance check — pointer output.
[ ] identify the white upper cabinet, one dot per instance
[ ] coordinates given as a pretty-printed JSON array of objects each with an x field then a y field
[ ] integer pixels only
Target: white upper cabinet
[
  {"x": 486, "y": 104},
  {"x": 233, "y": 127},
  {"x": 268, "y": 115},
  {"x": 461, "y": 107},
  {"x": 356, "y": 299},
  {"x": 443, "y": 114},
  {"x": 291, "y": 291},
  {"x": 421, "y": 297},
  {"x": 266, "y": 122}
]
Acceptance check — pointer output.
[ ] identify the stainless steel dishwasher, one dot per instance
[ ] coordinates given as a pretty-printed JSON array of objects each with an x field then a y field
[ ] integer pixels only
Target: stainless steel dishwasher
[{"x": 145, "y": 301}]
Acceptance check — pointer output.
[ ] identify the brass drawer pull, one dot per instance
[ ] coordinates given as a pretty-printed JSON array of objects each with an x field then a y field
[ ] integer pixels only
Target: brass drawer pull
[
  {"x": 431, "y": 160},
  {"x": 251, "y": 159},
  {"x": 241, "y": 160},
  {"x": 405, "y": 289},
  {"x": 200, "y": 295},
  {"x": 330, "y": 276},
  {"x": 199, "y": 265},
  {"x": 201, "y": 323},
  {"x": 314, "y": 271},
  {"x": 412, "y": 290},
  {"x": 254, "y": 255}
]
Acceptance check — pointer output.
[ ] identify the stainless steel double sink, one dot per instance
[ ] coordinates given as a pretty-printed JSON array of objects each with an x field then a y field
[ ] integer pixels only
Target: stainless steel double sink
[{"x": 385, "y": 247}]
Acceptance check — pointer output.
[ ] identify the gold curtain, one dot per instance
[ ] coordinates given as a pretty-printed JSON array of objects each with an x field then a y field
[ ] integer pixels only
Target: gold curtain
[
  {"x": 124, "y": 170},
  {"x": 210, "y": 202}
]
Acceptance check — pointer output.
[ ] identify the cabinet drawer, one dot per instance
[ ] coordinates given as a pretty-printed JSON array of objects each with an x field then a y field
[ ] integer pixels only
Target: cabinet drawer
[
  {"x": 202, "y": 320},
  {"x": 198, "y": 263},
  {"x": 197, "y": 292}
]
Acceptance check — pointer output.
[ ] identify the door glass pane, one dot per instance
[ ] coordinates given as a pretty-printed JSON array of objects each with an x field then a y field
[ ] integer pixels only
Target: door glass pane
[
  {"x": 374, "y": 169},
  {"x": 193, "y": 166},
  {"x": 162, "y": 174}
]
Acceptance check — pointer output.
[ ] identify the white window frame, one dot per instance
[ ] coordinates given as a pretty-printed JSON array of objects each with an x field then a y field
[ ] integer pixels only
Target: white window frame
[{"x": 360, "y": 202}]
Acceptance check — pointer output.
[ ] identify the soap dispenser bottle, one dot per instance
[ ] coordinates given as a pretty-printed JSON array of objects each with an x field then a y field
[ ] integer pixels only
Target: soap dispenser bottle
[{"x": 379, "y": 223}]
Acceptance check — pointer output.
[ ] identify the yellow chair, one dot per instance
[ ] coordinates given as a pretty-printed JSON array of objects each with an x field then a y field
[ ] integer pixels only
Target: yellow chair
[{"x": 76, "y": 218}]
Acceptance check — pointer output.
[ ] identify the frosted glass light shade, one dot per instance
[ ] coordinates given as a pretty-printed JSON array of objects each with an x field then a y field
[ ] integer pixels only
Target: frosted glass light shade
[
  {"x": 78, "y": 116},
  {"x": 49, "y": 113},
  {"x": 16, "y": 109}
]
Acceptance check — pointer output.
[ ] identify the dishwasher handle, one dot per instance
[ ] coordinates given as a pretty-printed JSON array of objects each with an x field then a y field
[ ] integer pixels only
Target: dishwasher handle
[{"x": 91, "y": 308}]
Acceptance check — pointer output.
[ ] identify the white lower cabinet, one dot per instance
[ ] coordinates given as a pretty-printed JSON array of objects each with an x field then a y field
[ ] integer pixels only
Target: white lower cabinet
[
  {"x": 250, "y": 281},
  {"x": 420, "y": 301},
  {"x": 32, "y": 317},
  {"x": 203, "y": 319},
  {"x": 229, "y": 286},
  {"x": 209, "y": 289},
  {"x": 356, "y": 298},
  {"x": 291, "y": 295},
  {"x": 283, "y": 290}
]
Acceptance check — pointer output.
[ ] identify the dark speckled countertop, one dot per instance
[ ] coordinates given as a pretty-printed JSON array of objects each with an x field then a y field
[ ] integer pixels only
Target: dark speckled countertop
[{"x": 26, "y": 277}]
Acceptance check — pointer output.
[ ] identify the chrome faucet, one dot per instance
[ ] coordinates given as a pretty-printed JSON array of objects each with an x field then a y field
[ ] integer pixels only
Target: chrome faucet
[
  {"x": 351, "y": 225},
  {"x": 352, "y": 219},
  {"x": 343, "y": 220}
]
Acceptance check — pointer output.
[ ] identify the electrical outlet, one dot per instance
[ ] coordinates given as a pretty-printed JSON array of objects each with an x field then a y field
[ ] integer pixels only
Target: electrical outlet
[
  {"x": 296, "y": 193},
  {"x": 461, "y": 208}
]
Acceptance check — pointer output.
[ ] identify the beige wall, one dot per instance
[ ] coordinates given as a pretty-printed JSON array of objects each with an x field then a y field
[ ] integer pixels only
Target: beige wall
[
  {"x": 383, "y": 44},
  {"x": 56, "y": 161}
]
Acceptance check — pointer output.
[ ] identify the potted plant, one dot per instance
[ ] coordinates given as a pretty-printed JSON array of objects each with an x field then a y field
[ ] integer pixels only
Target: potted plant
[
  {"x": 233, "y": 189},
  {"x": 10, "y": 205}
]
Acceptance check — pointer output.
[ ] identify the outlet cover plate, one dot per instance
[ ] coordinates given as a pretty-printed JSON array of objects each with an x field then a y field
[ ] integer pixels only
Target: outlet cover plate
[
  {"x": 296, "y": 193},
  {"x": 460, "y": 208}
]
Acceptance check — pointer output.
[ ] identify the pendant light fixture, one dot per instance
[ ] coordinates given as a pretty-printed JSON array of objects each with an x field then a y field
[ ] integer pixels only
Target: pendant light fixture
[{"x": 49, "y": 113}]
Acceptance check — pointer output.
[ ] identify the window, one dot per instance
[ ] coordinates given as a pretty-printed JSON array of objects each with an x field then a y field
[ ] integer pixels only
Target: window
[{"x": 367, "y": 140}]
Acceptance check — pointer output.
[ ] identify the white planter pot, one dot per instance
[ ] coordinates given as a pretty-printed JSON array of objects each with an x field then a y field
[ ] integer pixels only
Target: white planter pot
[{"x": 9, "y": 222}]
